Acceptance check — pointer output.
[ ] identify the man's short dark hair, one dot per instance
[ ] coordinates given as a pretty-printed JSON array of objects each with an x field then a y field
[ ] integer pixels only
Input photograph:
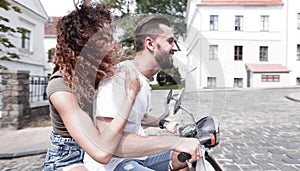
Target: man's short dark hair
[{"x": 148, "y": 26}]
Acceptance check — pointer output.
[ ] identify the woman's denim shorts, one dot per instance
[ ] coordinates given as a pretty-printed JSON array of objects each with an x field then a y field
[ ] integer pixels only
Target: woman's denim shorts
[{"x": 63, "y": 152}]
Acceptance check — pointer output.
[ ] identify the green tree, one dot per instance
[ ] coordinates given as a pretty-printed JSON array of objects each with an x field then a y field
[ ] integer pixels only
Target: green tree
[
  {"x": 174, "y": 9},
  {"x": 126, "y": 22},
  {"x": 119, "y": 7},
  {"x": 168, "y": 77},
  {"x": 5, "y": 32},
  {"x": 51, "y": 54}
]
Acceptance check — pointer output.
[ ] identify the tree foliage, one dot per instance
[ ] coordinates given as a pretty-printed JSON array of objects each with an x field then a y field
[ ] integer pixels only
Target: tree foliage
[
  {"x": 5, "y": 32},
  {"x": 174, "y": 9},
  {"x": 168, "y": 77},
  {"x": 119, "y": 7}
]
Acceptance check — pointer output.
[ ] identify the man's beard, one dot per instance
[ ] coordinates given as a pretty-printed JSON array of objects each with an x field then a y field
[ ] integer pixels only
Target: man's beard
[{"x": 163, "y": 59}]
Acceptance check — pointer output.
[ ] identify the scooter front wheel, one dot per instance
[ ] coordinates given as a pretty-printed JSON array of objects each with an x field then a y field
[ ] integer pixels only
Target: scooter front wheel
[{"x": 208, "y": 164}]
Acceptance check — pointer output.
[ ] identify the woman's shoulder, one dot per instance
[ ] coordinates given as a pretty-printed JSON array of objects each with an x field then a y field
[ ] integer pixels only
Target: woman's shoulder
[
  {"x": 57, "y": 74},
  {"x": 57, "y": 83}
]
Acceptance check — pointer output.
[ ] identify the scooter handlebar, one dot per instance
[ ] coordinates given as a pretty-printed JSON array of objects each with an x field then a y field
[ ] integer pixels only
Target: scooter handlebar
[{"x": 182, "y": 156}]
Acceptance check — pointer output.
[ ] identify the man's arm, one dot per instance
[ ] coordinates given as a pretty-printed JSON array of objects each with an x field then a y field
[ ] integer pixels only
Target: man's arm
[
  {"x": 132, "y": 145},
  {"x": 150, "y": 121}
]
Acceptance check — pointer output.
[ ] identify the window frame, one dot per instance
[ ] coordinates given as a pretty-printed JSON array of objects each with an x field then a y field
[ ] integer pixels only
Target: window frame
[
  {"x": 26, "y": 39},
  {"x": 264, "y": 22},
  {"x": 298, "y": 81},
  {"x": 270, "y": 78},
  {"x": 298, "y": 52},
  {"x": 298, "y": 21},
  {"x": 263, "y": 53},
  {"x": 211, "y": 82},
  {"x": 213, "y": 22},
  {"x": 238, "y": 53},
  {"x": 238, "y": 82},
  {"x": 238, "y": 23},
  {"x": 213, "y": 52}
]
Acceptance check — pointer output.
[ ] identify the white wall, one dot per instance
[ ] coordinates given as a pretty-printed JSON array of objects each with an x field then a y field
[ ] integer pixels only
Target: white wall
[
  {"x": 251, "y": 38},
  {"x": 32, "y": 18},
  {"x": 292, "y": 37}
]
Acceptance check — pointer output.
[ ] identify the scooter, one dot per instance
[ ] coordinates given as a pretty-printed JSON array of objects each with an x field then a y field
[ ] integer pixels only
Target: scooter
[{"x": 206, "y": 130}]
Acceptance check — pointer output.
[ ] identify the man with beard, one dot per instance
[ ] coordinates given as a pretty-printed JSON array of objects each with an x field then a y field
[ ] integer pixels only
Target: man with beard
[{"x": 155, "y": 47}]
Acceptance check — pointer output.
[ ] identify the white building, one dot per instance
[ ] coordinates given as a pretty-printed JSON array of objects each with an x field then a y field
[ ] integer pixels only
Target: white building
[
  {"x": 240, "y": 43},
  {"x": 50, "y": 41},
  {"x": 30, "y": 46}
]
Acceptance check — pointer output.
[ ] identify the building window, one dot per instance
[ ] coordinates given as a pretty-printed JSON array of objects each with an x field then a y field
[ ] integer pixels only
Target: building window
[
  {"x": 298, "y": 81},
  {"x": 238, "y": 82},
  {"x": 264, "y": 23},
  {"x": 270, "y": 78},
  {"x": 238, "y": 53},
  {"x": 213, "y": 52},
  {"x": 25, "y": 39},
  {"x": 238, "y": 26},
  {"x": 263, "y": 53},
  {"x": 211, "y": 82},
  {"x": 298, "y": 21},
  {"x": 213, "y": 23},
  {"x": 298, "y": 52}
]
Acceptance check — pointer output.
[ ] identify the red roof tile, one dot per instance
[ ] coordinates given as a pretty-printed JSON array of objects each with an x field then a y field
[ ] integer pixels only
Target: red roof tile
[
  {"x": 241, "y": 2},
  {"x": 267, "y": 68},
  {"x": 50, "y": 28}
]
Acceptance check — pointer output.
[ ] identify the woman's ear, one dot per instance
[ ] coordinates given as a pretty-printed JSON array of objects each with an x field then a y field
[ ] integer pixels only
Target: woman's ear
[{"x": 149, "y": 44}]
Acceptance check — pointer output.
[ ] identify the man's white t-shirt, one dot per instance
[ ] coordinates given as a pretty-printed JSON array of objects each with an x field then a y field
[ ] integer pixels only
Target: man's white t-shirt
[{"x": 109, "y": 100}]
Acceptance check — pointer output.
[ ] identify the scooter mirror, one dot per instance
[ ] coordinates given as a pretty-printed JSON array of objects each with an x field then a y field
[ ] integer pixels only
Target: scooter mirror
[
  {"x": 169, "y": 97},
  {"x": 177, "y": 105}
]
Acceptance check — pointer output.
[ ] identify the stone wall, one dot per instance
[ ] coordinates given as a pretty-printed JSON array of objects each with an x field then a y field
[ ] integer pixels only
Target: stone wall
[
  {"x": 38, "y": 109},
  {"x": 16, "y": 111}
]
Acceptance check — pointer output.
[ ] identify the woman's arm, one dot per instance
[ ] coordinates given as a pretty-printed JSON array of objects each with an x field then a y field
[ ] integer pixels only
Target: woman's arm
[
  {"x": 100, "y": 146},
  {"x": 80, "y": 126}
]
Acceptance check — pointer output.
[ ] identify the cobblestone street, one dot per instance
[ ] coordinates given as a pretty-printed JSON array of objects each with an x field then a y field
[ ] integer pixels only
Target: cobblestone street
[
  {"x": 260, "y": 129},
  {"x": 29, "y": 163}
]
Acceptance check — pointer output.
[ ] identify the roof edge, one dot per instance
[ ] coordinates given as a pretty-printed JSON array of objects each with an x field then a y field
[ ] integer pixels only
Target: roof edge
[{"x": 240, "y": 3}]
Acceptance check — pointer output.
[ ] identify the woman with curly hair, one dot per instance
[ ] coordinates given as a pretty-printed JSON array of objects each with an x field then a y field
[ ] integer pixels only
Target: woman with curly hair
[{"x": 85, "y": 55}]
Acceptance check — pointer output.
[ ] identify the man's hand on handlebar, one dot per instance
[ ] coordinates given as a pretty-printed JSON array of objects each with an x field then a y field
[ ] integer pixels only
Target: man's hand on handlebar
[{"x": 190, "y": 146}]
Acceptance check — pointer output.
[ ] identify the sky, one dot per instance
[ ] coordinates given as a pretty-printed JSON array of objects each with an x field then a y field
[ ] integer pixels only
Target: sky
[
  {"x": 63, "y": 7},
  {"x": 57, "y": 7}
]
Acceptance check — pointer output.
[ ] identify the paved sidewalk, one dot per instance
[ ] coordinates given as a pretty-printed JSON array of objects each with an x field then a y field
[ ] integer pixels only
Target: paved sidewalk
[
  {"x": 31, "y": 141},
  {"x": 24, "y": 142}
]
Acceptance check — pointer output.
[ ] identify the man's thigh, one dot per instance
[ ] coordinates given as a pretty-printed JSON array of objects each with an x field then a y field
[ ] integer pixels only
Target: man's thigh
[
  {"x": 157, "y": 162},
  {"x": 131, "y": 165}
]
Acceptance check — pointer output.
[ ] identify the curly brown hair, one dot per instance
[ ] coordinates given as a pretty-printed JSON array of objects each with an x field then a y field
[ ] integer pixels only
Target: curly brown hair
[{"x": 84, "y": 52}]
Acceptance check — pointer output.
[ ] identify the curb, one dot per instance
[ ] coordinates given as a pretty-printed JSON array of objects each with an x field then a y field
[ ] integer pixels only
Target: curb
[
  {"x": 22, "y": 154},
  {"x": 293, "y": 99}
]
